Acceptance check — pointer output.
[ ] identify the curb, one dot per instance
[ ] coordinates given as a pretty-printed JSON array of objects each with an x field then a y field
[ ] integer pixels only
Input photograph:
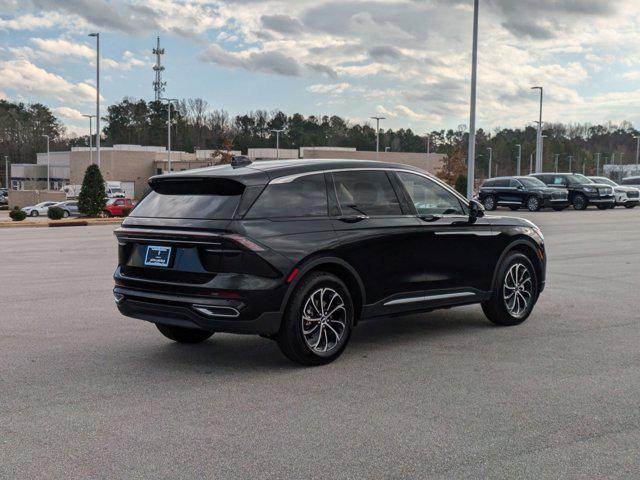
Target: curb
[{"x": 61, "y": 223}]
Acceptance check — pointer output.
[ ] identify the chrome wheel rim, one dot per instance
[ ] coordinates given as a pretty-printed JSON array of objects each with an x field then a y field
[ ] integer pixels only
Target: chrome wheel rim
[
  {"x": 324, "y": 321},
  {"x": 488, "y": 203},
  {"x": 517, "y": 290},
  {"x": 533, "y": 203}
]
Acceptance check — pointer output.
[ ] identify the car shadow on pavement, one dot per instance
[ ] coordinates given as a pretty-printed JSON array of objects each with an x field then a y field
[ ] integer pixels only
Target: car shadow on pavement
[{"x": 233, "y": 354}]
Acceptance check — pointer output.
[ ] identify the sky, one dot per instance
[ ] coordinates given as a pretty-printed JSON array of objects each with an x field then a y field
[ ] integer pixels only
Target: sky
[{"x": 406, "y": 60}]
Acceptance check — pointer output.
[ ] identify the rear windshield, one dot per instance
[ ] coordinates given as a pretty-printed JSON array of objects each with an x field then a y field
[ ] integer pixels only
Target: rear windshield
[{"x": 208, "y": 198}]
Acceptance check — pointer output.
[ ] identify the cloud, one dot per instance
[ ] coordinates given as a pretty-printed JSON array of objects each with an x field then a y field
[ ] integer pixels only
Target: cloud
[
  {"x": 33, "y": 79},
  {"x": 68, "y": 113},
  {"x": 256, "y": 61},
  {"x": 281, "y": 24},
  {"x": 384, "y": 52},
  {"x": 328, "y": 88},
  {"x": 62, "y": 47},
  {"x": 384, "y": 111}
]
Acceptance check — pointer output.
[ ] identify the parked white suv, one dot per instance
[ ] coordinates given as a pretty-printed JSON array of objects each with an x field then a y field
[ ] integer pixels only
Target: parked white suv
[{"x": 626, "y": 195}]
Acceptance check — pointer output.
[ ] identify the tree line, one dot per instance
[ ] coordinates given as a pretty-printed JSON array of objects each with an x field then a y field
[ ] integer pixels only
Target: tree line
[{"x": 195, "y": 125}]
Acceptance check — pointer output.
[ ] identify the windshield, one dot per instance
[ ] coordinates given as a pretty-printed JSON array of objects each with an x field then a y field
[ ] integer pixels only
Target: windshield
[
  {"x": 202, "y": 198},
  {"x": 577, "y": 178},
  {"x": 531, "y": 182},
  {"x": 604, "y": 180}
]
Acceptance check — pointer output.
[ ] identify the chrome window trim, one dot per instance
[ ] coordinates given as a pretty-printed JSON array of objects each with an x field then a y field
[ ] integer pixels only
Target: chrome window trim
[{"x": 295, "y": 176}]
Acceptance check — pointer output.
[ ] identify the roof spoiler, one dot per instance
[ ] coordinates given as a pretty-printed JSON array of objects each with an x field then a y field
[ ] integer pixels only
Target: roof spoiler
[{"x": 238, "y": 161}]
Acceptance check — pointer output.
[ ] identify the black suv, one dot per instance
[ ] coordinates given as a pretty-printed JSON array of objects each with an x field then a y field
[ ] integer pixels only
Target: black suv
[
  {"x": 519, "y": 192},
  {"x": 582, "y": 191},
  {"x": 301, "y": 251}
]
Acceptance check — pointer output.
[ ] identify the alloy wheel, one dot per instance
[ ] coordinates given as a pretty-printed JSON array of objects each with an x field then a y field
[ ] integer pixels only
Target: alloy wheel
[
  {"x": 517, "y": 290},
  {"x": 324, "y": 321},
  {"x": 489, "y": 203},
  {"x": 533, "y": 204}
]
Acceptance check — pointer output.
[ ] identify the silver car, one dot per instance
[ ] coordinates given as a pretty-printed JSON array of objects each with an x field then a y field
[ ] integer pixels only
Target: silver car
[
  {"x": 40, "y": 209},
  {"x": 69, "y": 208}
]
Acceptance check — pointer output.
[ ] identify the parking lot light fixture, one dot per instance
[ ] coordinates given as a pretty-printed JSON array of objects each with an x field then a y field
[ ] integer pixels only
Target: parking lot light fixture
[
  {"x": 490, "y": 158},
  {"x": 519, "y": 160},
  {"x": 598, "y": 163},
  {"x": 556, "y": 162},
  {"x": 377, "y": 119},
  {"x": 539, "y": 135},
  {"x": 90, "y": 117},
  {"x": 97, "y": 37},
  {"x": 277, "y": 131},
  {"x": 48, "y": 161},
  {"x": 471, "y": 164},
  {"x": 637, "y": 153},
  {"x": 169, "y": 101}
]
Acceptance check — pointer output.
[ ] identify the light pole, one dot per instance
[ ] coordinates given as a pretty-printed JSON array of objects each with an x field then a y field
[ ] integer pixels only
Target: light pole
[
  {"x": 428, "y": 145},
  {"x": 490, "y": 158},
  {"x": 169, "y": 100},
  {"x": 519, "y": 161},
  {"x": 6, "y": 171},
  {"x": 570, "y": 161},
  {"x": 277, "y": 132},
  {"x": 556, "y": 162},
  {"x": 97, "y": 35},
  {"x": 48, "y": 161},
  {"x": 539, "y": 145},
  {"x": 377, "y": 119},
  {"x": 598, "y": 164},
  {"x": 637, "y": 153},
  {"x": 471, "y": 162},
  {"x": 90, "y": 117}
]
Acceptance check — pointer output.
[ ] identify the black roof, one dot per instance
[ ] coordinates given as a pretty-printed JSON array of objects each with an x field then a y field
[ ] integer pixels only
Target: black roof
[{"x": 262, "y": 171}]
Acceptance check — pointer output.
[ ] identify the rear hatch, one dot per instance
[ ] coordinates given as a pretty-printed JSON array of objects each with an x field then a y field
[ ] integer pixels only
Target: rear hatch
[{"x": 178, "y": 234}]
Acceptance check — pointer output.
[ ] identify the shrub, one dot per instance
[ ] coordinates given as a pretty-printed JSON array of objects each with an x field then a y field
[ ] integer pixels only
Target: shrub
[
  {"x": 461, "y": 184},
  {"x": 17, "y": 215},
  {"x": 55, "y": 213},
  {"x": 92, "y": 198},
  {"x": 126, "y": 211}
]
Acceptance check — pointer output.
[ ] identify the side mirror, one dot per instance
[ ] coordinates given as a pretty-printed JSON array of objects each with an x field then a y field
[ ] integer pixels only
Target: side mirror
[
  {"x": 520, "y": 187},
  {"x": 476, "y": 210}
]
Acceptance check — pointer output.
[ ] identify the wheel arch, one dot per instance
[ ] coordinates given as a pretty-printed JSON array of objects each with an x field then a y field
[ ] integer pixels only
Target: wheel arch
[
  {"x": 528, "y": 249},
  {"x": 338, "y": 267}
]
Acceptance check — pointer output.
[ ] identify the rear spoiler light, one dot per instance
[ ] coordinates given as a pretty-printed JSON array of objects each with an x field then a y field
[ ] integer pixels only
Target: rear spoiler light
[{"x": 182, "y": 236}]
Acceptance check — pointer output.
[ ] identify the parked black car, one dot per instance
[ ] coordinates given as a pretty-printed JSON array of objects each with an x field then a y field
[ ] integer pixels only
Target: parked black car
[
  {"x": 519, "y": 192},
  {"x": 301, "y": 251},
  {"x": 582, "y": 191}
]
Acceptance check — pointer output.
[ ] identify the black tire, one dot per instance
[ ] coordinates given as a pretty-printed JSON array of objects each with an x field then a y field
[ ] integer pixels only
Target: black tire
[
  {"x": 65, "y": 214},
  {"x": 514, "y": 208},
  {"x": 626, "y": 205},
  {"x": 604, "y": 207},
  {"x": 183, "y": 335},
  {"x": 559, "y": 209},
  {"x": 490, "y": 203},
  {"x": 34, "y": 213},
  {"x": 579, "y": 202},
  {"x": 496, "y": 308},
  {"x": 291, "y": 339},
  {"x": 533, "y": 204},
  {"x": 107, "y": 214}
]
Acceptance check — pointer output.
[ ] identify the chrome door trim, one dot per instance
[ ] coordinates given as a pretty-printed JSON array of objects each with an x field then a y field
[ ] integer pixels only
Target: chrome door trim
[{"x": 428, "y": 298}]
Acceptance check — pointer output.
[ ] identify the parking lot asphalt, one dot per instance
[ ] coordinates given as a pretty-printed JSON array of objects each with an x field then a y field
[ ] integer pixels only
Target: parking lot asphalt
[{"x": 87, "y": 393}]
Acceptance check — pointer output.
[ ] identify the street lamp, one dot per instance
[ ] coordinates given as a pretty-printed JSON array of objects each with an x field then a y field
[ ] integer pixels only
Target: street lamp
[
  {"x": 90, "y": 117},
  {"x": 519, "y": 161},
  {"x": 637, "y": 154},
  {"x": 377, "y": 119},
  {"x": 598, "y": 164},
  {"x": 539, "y": 136},
  {"x": 169, "y": 100},
  {"x": 556, "y": 162},
  {"x": 471, "y": 164},
  {"x": 277, "y": 132},
  {"x": 97, "y": 36},
  {"x": 48, "y": 161},
  {"x": 490, "y": 158}
]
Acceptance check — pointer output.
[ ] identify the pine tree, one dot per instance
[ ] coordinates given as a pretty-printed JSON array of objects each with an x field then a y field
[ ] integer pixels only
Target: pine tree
[{"x": 92, "y": 198}]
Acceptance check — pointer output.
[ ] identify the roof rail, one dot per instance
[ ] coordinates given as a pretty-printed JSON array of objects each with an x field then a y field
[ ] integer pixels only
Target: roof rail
[{"x": 238, "y": 161}]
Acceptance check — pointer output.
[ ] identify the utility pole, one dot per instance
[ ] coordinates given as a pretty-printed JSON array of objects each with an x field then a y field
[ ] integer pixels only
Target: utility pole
[
  {"x": 48, "y": 162},
  {"x": 471, "y": 164},
  {"x": 90, "y": 137},
  {"x": 97, "y": 36},
  {"x": 519, "y": 160},
  {"x": 377, "y": 119},
  {"x": 539, "y": 136},
  {"x": 278, "y": 132},
  {"x": 169, "y": 101},
  {"x": 490, "y": 158}
]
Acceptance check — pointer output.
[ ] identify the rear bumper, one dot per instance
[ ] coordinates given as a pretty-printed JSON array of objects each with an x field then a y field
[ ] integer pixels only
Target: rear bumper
[{"x": 232, "y": 316}]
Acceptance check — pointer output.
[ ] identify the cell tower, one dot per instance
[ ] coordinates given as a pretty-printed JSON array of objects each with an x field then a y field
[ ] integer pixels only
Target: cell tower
[{"x": 158, "y": 84}]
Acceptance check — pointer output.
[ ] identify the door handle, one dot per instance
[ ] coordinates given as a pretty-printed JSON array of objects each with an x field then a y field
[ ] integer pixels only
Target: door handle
[
  {"x": 429, "y": 218},
  {"x": 352, "y": 218}
]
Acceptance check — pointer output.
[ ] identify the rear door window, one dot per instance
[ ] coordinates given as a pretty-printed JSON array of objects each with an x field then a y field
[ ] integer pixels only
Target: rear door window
[
  {"x": 197, "y": 198},
  {"x": 366, "y": 192},
  {"x": 428, "y": 197},
  {"x": 305, "y": 196}
]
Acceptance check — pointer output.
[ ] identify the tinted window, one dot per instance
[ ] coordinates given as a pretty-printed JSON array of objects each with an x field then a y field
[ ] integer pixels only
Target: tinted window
[
  {"x": 631, "y": 181},
  {"x": 367, "y": 192},
  {"x": 303, "y": 197},
  {"x": 489, "y": 183},
  {"x": 502, "y": 183},
  {"x": 207, "y": 198},
  {"x": 430, "y": 198},
  {"x": 531, "y": 182}
]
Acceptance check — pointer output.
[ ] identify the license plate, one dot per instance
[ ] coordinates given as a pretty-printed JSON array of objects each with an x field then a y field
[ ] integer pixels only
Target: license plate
[{"x": 157, "y": 256}]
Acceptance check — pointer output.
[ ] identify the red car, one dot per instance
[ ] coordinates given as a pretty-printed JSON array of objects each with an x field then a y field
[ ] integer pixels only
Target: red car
[{"x": 116, "y": 206}]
